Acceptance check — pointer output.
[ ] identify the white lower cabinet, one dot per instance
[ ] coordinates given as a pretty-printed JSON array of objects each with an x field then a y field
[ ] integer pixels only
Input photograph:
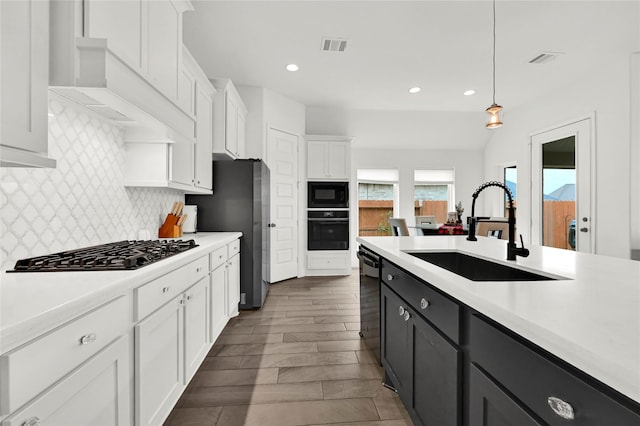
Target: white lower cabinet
[
  {"x": 196, "y": 327},
  {"x": 159, "y": 371},
  {"x": 95, "y": 393},
  {"x": 233, "y": 285},
  {"x": 170, "y": 346},
  {"x": 219, "y": 315}
]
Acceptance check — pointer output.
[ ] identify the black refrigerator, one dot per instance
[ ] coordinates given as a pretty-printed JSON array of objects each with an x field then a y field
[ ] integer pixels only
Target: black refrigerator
[{"x": 240, "y": 202}]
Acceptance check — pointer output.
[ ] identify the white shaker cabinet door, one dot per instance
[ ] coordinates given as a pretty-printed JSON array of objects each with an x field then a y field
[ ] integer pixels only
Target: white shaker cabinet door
[
  {"x": 164, "y": 46},
  {"x": 204, "y": 138},
  {"x": 120, "y": 23},
  {"x": 219, "y": 316},
  {"x": 24, "y": 54},
  {"x": 196, "y": 326},
  {"x": 233, "y": 279},
  {"x": 96, "y": 393},
  {"x": 159, "y": 363}
]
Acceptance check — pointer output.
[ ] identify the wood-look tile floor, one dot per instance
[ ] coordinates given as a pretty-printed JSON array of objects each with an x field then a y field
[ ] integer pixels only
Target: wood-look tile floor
[{"x": 297, "y": 361}]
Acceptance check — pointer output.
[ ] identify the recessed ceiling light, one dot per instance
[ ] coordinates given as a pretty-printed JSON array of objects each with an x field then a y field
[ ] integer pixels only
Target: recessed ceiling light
[
  {"x": 414, "y": 90},
  {"x": 469, "y": 92},
  {"x": 292, "y": 67}
]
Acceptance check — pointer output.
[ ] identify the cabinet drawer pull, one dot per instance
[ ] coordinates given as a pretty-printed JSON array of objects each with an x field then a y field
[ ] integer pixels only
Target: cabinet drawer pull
[
  {"x": 198, "y": 270},
  {"x": 406, "y": 315},
  {"x": 561, "y": 408},
  {"x": 166, "y": 289},
  {"x": 401, "y": 311},
  {"x": 182, "y": 301},
  {"x": 424, "y": 303},
  {"x": 189, "y": 297},
  {"x": 390, "y": 277},
  {"x": 86, "y": 339},
  {"x": 33, "y": 421}
]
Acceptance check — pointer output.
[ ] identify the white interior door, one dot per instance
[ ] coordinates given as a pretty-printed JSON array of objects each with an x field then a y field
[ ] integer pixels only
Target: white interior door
[
  {"x": 580, "y": 131},
  {"x": 283, "y": 163}
]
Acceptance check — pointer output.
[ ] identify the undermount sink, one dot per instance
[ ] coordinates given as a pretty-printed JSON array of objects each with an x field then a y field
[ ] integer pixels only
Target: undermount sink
[{"x": 477, "y": 269}]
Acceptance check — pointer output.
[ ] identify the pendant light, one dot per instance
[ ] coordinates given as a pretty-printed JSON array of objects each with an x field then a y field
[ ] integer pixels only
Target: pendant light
[{"x": 494, "y": 112}]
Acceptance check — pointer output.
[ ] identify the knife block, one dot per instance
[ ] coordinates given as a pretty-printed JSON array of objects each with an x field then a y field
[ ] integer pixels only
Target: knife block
[{"x": 173, "y": 231}]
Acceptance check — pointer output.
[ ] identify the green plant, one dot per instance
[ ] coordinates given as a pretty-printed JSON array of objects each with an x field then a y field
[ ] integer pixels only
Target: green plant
[{"x": 383, "y": 226}]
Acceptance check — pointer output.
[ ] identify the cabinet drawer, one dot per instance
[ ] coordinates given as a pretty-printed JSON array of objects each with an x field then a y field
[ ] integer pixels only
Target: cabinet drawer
[
  {"x": 440, "y": 310},
  {"x": 327, "y": 261},
  {"x": 233, "y": 248},
  {"x": 533, "y": 378},
  {"x": 218, "y": 257},
  {"x": 153, "y": 295},
  {"x": 28, "y": 370}
]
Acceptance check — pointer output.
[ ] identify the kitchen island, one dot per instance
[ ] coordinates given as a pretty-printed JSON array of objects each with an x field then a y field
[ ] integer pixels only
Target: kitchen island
[
  {"x": 587, "y": 317},
  {"x": 72, "y": 337}
]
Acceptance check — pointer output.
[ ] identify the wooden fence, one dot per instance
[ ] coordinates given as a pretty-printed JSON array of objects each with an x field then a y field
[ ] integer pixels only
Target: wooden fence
[
  {"x": 373, "y": 215},
  {"x": 557, "y": 216},
  {"x": 373, "y": 218}
]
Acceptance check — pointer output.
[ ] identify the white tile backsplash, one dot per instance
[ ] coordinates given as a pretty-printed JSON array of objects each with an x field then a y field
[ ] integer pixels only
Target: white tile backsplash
[{"x": 80, "y": 203}]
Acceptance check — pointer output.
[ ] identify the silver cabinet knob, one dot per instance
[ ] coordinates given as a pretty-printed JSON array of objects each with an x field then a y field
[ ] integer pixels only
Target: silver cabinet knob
[
  {"x": 189, "y": 297},
  {"x": 406, "y": 315},
  {"x": 183, "y": 301},
  {"x": 166, "y": 289},
  {"x": 401, "y": 311},
  {"x": 198, "y": 270},
  {"x": 561, "y": 408},
  {"x": 584, "y": 229},
  {"x": 424, "y": 303},
  {"x": 88, "y": 338},
  {"x": 33, "y": 421},
  {"x": 390, "y": 277}
]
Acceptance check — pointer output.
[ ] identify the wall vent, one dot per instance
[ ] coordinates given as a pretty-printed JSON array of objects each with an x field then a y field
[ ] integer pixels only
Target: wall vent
[
  {"x": 333, "y": 44},
  {"x": 544, "y": 57}
]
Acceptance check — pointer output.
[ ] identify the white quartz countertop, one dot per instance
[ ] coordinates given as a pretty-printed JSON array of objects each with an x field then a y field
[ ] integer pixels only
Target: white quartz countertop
[
  {"x": 32, "y": 303},
  {"x": 591, "y": 319}
]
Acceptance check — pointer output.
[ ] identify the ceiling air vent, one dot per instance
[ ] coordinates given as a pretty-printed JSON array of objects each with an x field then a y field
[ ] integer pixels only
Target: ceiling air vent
[
  {"x": 544, "y": 57},
  {"x": 333, "y": 44}
]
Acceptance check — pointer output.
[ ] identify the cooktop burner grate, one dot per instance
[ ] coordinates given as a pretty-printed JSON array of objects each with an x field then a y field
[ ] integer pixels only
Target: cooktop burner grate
[{"x": 118, "y": 256}]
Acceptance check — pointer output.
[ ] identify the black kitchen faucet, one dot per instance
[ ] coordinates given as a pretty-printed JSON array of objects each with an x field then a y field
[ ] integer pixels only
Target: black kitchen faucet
[{"x": 512, "y": 249}]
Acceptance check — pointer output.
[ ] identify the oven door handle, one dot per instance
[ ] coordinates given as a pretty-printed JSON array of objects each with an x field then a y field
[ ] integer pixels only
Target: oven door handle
[{"x": 329, "y": 219}]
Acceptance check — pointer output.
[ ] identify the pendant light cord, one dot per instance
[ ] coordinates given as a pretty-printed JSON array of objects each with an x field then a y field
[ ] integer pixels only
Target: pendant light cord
[{"x": 494, "y": 52}]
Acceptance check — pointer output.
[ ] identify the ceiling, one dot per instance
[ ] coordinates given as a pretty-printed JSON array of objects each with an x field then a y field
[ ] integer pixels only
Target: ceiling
[{"x": 445, "y": 47}]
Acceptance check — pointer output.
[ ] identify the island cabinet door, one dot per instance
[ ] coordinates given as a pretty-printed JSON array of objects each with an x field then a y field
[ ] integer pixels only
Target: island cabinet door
[
  {"x": 436, "y": 387},
  {"x": 490, "y": 405},
  {"x": 395, "y": 342}
]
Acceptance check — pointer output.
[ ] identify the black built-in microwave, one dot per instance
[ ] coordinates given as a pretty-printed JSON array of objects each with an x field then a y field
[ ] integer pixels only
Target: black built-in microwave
[{"x": 328, "y": 195}]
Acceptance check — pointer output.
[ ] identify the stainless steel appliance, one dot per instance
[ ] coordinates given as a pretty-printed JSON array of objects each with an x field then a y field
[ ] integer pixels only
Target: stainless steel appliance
[
  {"x": 328, "y": 230},
  {"x": 240, "y": 202},
  {"x": 121, "y": 255},
  {"x": 370, "y": 299},
  {"x": 327, "y": 195}
]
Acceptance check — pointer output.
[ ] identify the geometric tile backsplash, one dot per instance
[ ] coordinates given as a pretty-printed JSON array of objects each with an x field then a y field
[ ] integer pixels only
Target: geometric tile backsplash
[{"x": 82, "y": 201}]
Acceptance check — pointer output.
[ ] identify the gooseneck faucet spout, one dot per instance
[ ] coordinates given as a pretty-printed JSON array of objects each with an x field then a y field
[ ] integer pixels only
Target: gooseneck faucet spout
[{"x": 512, "y": 249}]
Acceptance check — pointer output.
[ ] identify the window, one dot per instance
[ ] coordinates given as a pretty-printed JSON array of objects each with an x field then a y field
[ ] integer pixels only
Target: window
[
  {"x": 510, "y": 181},
  {"x": 434, "y": 193},
  {"x": 377, "y": 200}
]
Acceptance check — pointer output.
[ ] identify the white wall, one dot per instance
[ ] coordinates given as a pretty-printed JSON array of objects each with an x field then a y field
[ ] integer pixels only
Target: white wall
[{"x": 605, "y": 92}]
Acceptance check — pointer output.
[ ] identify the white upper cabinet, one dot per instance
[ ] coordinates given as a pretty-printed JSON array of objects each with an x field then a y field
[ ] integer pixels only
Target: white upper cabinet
[
  {"x": 230, "y": 122},
  {"x": 146, "y": 34},
  {"x": 123, "y": 60},
  {"x": 24, "y": 54},
  {"x": 184, "y": 166},
  {"x": 328, "y": 157}
]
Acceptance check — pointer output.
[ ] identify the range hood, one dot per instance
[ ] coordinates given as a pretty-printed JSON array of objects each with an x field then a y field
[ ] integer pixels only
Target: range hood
[{"x": 85, "y": 71}]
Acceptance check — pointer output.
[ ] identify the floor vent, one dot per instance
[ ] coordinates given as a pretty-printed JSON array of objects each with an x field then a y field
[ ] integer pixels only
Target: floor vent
[
  {"x": 544, "y": 57},
  {"x": 333, "y": 44}
]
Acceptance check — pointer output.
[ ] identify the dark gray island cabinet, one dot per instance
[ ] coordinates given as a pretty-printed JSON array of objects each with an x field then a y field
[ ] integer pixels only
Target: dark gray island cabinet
[{"x": 452, "y": 366}]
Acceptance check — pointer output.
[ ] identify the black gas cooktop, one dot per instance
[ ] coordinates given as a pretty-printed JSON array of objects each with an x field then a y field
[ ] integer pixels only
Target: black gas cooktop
[{"x": 119, "y": 256}]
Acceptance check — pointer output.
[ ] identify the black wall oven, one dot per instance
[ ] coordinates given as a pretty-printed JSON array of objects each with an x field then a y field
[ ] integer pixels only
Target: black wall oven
[
  {"x": 328, "y": 230},
  {"x": 328, "y": 195}
]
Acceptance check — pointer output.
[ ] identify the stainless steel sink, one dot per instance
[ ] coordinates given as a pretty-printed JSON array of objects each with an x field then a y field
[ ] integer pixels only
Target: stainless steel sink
[{"x": 477, "y": 269}]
